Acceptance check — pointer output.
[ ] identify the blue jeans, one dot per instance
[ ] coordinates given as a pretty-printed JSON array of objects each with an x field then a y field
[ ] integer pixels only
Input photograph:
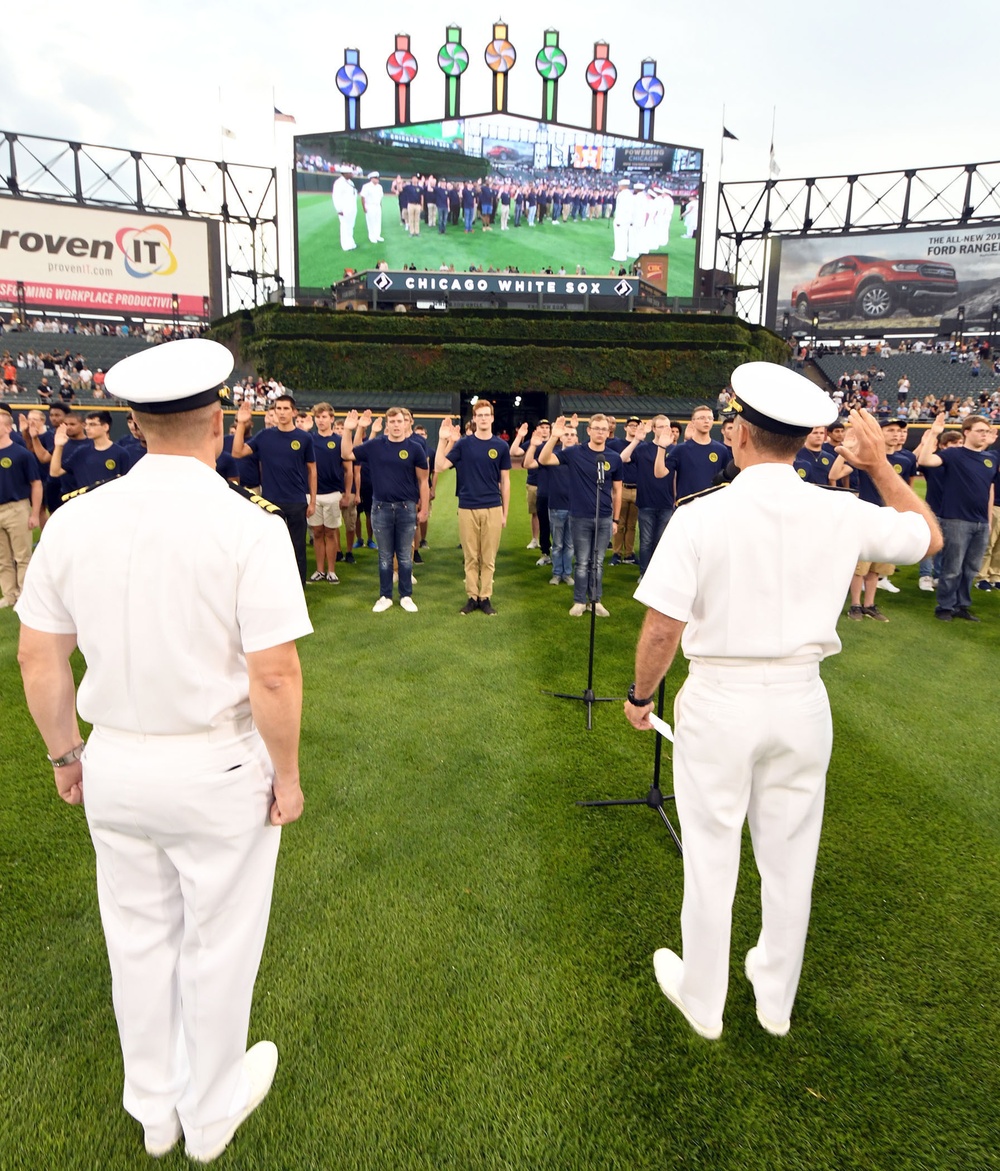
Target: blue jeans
[
  {"x": 652, "y": 522},
  {"x": 582, "y": 528},
  {"x": 965, "y": 543},
  {"x": 394, "y": 525},
  {"x": 468, "y": 218},
  {"x": 562, "y": 542}
]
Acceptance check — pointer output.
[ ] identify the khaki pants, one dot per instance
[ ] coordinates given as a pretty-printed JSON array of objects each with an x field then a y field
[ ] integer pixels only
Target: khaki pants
[
  {"x": 413, "y": 218},
  {"x": 990, "y": 568},
  {"x": 624, "y": 538},
  {"x": 15, "y": 547},
  {"x": 479, "y": 531}
]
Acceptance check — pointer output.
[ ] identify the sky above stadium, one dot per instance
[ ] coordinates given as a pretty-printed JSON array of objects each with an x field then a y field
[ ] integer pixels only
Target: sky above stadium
[{"x": 856, "y": 86}]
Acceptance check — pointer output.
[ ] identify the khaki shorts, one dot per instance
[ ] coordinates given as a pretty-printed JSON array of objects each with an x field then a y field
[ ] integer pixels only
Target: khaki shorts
[
  {"x": 532, "y": 500},
  {"x": 882, "y": 568},
  {"x": 327, "y": 511},
  {"x": 350, "y": 517}
]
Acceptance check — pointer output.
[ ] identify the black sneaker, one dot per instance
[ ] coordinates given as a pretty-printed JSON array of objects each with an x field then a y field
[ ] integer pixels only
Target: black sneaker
[
  {"x": 874, "y": 612},
  {"x": 470, "y": 607},
  {"x": 967, "y": 614},
  {"x": 424, "y": 545},
  {"x": 630, "y": 560},
  {"x": 943, "y": 615},
  {"x": 417, "y": 559},
  {"x": 984, "y": 585},
  {"x": 615, "y": 559},
  {"x": 340, "y": 556},
  {"x": 856, "y": 613},
  {"x": 349, "y": 558},
  {"x": 487, "y": 607}
]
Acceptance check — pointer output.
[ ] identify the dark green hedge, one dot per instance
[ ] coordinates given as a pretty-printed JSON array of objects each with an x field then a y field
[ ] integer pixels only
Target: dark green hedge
[{"x": 317, "y": 350}]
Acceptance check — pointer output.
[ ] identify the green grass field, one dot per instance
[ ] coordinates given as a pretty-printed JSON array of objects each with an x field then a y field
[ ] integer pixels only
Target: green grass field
[
  {"x": 458, "y": 972},
  {"x": 586, "y": 242}
]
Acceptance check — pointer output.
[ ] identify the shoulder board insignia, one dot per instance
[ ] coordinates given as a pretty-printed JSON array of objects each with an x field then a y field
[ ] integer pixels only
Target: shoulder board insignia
[
  {"x": 80, "y": 491},
  {"x": 254, "y": 498},
  {"x": 704, "y": 492}
]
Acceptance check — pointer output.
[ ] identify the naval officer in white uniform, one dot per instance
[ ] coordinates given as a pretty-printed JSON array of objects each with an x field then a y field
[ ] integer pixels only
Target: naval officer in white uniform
[
  {"x": 749, "y": 582},
  {"x": 184, "y": 599}
]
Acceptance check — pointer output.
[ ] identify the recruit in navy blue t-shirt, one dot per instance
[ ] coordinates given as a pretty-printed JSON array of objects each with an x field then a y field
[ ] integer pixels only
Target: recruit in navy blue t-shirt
[
  {"x": 695, "y": 465},
  {"x": 581, "y": 462},
  {"x": 478, "y": 464},
  {"x": 391, "y": 467},
  {"x": 283, "y": 457}
]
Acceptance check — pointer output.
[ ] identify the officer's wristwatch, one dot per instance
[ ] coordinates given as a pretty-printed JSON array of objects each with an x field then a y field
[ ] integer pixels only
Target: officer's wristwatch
[
  {"x": 70, "y": 757},
  {"x": 634, "y": 700}
]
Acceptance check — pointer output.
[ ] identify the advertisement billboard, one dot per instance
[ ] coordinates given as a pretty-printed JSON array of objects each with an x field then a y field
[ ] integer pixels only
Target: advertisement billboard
[
  {"x": 87, "y": 259},
  {"x": 493, "y": 193},
  {"x": 886, "y": 280}
]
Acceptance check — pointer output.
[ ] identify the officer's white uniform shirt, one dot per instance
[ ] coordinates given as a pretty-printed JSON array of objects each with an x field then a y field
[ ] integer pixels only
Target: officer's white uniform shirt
[
  {"x": 759, "y": 570},
  {"x": 167, "y": 578}
]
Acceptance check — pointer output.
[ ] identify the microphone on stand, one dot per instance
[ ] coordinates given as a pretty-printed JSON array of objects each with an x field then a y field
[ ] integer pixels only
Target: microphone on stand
[{"x": 600, "y": 470}]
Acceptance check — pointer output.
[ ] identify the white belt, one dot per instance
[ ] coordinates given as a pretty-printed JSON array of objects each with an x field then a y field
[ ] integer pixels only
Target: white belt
[
  {"x": 220, "y": 733},
  {"x": 797, "y": 668}
]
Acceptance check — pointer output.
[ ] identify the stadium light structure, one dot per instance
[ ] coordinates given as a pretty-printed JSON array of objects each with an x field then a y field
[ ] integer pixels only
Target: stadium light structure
[{"x": 994, "y": 316}]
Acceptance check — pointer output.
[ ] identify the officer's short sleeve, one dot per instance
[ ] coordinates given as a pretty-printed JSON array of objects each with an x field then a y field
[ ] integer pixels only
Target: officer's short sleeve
[
  {"x": 670, "y": 582},
  {"x": 270, "y": 605},
  {"x": 900, "y": 538},
  {"x": 40, "y": 605}
]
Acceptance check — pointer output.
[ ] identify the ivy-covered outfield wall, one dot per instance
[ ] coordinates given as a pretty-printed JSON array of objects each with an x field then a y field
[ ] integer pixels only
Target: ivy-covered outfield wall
[{"x": 317, "y": 350}]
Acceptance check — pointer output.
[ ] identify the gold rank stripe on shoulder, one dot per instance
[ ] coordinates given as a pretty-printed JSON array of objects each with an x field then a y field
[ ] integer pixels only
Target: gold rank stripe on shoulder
[
  {"x": 260, "y": 501},
  {"x": 704, "y": 492},
  {"x": 80, "y": 491}
]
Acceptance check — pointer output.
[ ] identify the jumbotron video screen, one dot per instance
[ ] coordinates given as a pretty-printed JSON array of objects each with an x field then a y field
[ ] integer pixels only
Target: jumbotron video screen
[{"x": 495, "y": 193}]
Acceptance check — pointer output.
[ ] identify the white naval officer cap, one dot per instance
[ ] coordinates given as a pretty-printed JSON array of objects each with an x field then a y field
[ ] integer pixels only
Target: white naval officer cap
[
  {"x": 624, "y": 182},
  {"x": 172, "y": 377},
  {"x": 777, "y": 399},
  {"x": 373, "y": 175}
]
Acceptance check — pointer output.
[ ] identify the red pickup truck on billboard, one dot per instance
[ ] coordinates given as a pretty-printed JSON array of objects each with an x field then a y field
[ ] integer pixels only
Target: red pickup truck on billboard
[{"x": 873, "y": 288}]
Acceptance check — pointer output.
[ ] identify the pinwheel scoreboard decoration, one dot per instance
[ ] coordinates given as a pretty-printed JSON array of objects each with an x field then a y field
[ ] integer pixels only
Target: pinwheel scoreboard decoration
[
  {"x": 352, "y": 81},
  {"x": 453, "y": 60},
  {"x": 500, "y": 57},
  {"x": 647, "y": 93},
  {"x": 601, "y": 76},
  {"x": 401, "y": 66},
  {"x": 550, "y": 65}
]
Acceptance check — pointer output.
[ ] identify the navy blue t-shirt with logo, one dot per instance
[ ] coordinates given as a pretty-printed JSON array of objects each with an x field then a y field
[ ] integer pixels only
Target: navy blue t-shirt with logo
[
  {"x": 965, "y": 489},
  {"x": 248, "y": 465},
  {"x": 628, "y": 469},
  {"x": 85, "y": 466},
  {"x": 18, "y": 471},
  {"x": 581, "y": 462},
  {"x": 283, "y": 457},
  {"x": 390, "y": 467},
  {"x": 650, "y": 492},
  {"x": 329, "y": 464},
  {"x": 695, "y": 465},
  {"x": 814, "y": 466},
  {"x": 478, "y": 464}
]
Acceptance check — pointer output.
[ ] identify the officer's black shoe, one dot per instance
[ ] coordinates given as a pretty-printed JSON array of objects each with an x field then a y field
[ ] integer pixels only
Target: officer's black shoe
[
  {"x": 487, "y": 608},
  {"x": 470, "y": 607},
  {"x": 967, "y": 614}
]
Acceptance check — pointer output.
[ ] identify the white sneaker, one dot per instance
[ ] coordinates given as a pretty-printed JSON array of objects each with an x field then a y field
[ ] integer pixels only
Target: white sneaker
[
  {"x": 333, "y": 578},
  {"x": 381, "y": 604},
  {"x": 533, "y": 544},
  {"x": 317, "y": 576},
  {"x": 259, "y": 1065},
  {"x": 555, "y": 580},
  {"x": 543, "y": 560},
  {"x": 669, "y": 969},
  {"x": 600, "y": 611},
  {"x": 408, "y": 604},
  {"x": 577, "y": 610},
  {"x": 927, "y": 584},
  {"x": 885, "y": 584},
  {"x": 775, "y": 1028}
]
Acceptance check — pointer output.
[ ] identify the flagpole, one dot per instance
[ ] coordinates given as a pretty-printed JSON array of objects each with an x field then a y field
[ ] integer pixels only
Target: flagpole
[{"x": 718, "y": 198}]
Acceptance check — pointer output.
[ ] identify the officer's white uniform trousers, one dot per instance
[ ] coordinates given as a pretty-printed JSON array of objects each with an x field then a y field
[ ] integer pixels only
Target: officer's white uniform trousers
[
  {"x": 185, "y": 867},
  {"x": 752, "y": 742}
]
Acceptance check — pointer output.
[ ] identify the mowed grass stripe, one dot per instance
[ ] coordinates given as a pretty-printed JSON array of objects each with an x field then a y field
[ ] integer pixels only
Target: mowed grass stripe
[{"x": 458, "y": 966}]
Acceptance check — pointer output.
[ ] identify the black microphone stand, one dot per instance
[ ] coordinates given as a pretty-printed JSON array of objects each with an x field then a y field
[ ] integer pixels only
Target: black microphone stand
[
  {"x": 654, "y": 799},
  {"x": 588, "y": 696}
]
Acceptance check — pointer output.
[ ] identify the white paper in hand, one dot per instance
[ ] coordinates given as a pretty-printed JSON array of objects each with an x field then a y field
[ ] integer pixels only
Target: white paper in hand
[{"x": 661, "y": 726}]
